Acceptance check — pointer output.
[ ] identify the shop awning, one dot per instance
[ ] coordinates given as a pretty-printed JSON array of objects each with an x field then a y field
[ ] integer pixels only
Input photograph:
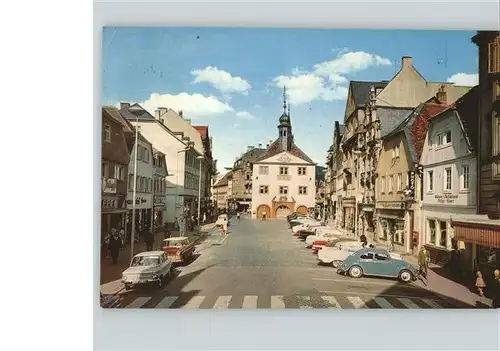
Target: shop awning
[
  {"x": 388, "y": 216},
  {"x": 485, "y": 234}
]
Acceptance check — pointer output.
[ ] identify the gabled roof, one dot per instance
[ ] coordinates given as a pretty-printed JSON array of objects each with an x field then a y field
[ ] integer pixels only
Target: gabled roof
[
  {"x": 466, "y": 110},
  {"x": 275, "y": 149},
  {"x": 361, "y": 91},
  {"x": 415, "y": 127},
  {"x": 129, "y": 115},
  {"x": 390, "y": 118},
  {"x": 223, "y": 180}
]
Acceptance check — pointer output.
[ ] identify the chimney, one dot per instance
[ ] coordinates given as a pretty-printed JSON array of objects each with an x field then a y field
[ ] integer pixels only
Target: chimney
[
  {"x": 441, "y": 95},
  {"x": 267, "y": 146},
  {"x": 406, "y": 62},
  {"x": 124, "y": 105},
  {"x": 260, "y": 146},
  {"x": 181, "y": 114},
  {"x": 161, "y": 111}
]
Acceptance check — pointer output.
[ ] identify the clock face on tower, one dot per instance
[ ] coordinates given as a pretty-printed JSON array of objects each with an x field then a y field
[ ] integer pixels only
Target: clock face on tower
[{"x": 284, "y": 158}]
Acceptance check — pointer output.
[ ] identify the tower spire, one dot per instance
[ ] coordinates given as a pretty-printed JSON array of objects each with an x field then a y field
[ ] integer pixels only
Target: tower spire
[{"x": 284, "y": 98}]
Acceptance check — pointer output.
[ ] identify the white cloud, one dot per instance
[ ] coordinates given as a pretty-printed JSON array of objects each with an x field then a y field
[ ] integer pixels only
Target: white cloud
[
  {"x": 464, "y": 79},
  {"x": 245, "y": 115},
  {"x": 221, "y": 80},
  {"x": 349, "y": 62},
  {"x": 193, "y": 105},
  {"x": 327, "y": 80},
  {"x": 308, "y": 87}
]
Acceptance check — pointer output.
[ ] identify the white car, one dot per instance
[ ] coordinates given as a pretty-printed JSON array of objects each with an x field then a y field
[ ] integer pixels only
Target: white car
[
  {"x": 335, "y": 254},
  {"x": 312, "y": 238},
  {"x": 306, "y": 226},
  {"x": 146, "y": 268}
]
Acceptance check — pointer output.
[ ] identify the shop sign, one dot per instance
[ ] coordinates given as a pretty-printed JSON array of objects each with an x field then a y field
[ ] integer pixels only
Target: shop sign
[
  {"x": 138, "y": 200},
  {"x": 391, "y": 205},
  {"x": 411, "y": 185},
  {"x": 446, "y": 198},
  {"x": 109, "y": 203},
  {"x": 109, "y": 185},
  {"x": 159, "y": 200}
]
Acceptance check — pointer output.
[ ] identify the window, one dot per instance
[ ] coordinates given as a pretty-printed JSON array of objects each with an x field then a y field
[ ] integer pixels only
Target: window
[
  {"x": 382, "y": 185},
  {"x": 283, "y": 170},
  {"x": 399, "y": 181},
  {"x": 146, "y": 155},
  {"x": 399, "y": 236},
  {"x": 496, "y": 90},
  {"x": 263, "y": 169},
  {"x": 395, "y": 151},
  {"x": 107, "y": 133},
  {"x": 430, "y": 181},
  {"x": 465, "y": 177},
  {"x": 105, "y": 170},
  {"x": 367, "y": 256},
  {"x": 381, "y": 257},
  {"x": 442, "y": 233},
  {"x": 496, "y": 144},
  {"x": 444, "y": 138},
  {"x": 283, "y": 190},
  {"x": 494, "y": 56},
  {"x": 248, "y": 177},
  {"x": 130, "y": 182},
  {"x": 391, "y": 183},
  {"x": 302, "y": 170},
  {"x": 429, "y": 142},
  {"x": 447, "y": 178},
  {"x": 432, "y": 232},
  {"x": 264, "y": 189},
  {"x": 303, "y": 190},
  {"x": 119, "y": 172}
]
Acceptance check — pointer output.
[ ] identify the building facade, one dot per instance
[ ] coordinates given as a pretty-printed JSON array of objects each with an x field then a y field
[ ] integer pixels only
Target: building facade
[
  {"x": 221, "y": 192},
  {"x": 284, "y": 177},
  {"x": 208, "y": 172},
  {"x": 114, "y": 169},
  {"x": 449, "y": 174},
  {"x": 334, "y": 176},
  {"x": 182, "y": 183},
  {"x": 483, "y": 233},
  {"x": 160, "y": 172},
  {"x": 242, "y": 177}
]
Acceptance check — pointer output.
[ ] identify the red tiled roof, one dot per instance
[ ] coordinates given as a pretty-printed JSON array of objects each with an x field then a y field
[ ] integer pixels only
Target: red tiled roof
[
  {"x": 275, "y": 149},
  {"x": 203, "y": 130},
  {"x": 420, "y": 125}
]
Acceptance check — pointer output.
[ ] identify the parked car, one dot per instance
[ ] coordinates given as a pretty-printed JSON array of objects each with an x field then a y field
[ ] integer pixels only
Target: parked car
[
  {"x": 337, "y": 253},
  {"x": 312, "y": 238},
  {"x": 178, "y": 249},
  {"x": 305, "y": 226},
  {"x": 300, "y": 221},
  {"x": 330, "y": 242},
  {"x": 377, "y": 262},
  {"x": 150, "y": 267}
]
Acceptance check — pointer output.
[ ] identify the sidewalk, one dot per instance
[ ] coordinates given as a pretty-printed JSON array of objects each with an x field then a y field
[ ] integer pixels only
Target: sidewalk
[{"x": 110, "y": 275}]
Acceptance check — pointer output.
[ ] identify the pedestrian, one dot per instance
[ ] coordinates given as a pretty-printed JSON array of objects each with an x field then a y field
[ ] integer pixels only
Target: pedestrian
[
  {"x": 148, "y": 239},
  {"x": 480, "y": 285},
  {"x": 121, "y": 234},
  {"x": 107, "y": 238},
  {"x": 264, "y": 215},
  {"x": 423, "y": 262},
  {"x": 204, "y": 217},
  {"x": 114, "y": 247},
  {"x": 496, "y": 289},
  {"x": 224, "y": 228},
  {"x": 363, "y": 239},
  {"x": 238, "y": 216}
]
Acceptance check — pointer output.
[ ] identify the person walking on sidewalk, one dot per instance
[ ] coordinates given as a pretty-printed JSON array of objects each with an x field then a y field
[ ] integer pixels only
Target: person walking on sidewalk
[
  {"x": 363, "y": 239},
  {"x": 148, "y": 239},
  {"x": 496, "y": 289},
  {"x": 423, "y": 262},
  {"x": 480, "y": 285},
  {"x": 114, "y": 247}
]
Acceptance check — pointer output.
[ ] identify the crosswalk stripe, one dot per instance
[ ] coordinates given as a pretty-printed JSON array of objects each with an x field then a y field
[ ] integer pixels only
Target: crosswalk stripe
[
  {"x": 306, "y": 302},
  {"x": 432, "y": 303},
  {"x": 250, "y": 302},
  {"x": 408, "y": 303},
  {"x": 194, "y": 302},
  {"x": 277, "y": 302},
  {"x": 137, "y": 303},
  {"x": 356, "y": 302},
  {"x": 382, "y": 302},
  {"x": 332, "y": 301},
  {"x": 167, "y": 301},
  {"x": 222, "y": 302}
]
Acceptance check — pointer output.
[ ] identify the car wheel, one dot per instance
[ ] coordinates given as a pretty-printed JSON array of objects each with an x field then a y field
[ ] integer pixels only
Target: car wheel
[
  {"x": 336, "y": 264},
  {"x": 355, "y": 272},
  {"x": 405, "y": 276},
  {"x": 128, "y": 286}
]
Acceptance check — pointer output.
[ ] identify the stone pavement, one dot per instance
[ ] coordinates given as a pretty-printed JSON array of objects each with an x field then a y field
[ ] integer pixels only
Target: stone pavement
[{"x": 110, "y": 274}]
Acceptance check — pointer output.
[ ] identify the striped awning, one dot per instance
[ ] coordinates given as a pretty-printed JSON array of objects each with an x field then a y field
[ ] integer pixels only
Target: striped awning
[{"x": 484, "y": 234}]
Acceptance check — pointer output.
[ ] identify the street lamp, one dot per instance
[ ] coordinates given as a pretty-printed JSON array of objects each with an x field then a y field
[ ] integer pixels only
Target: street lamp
[
  {"x": 187, "y": 148},
  {"x": 199, "y": 158},
  {"x": 135, "y": 110}
]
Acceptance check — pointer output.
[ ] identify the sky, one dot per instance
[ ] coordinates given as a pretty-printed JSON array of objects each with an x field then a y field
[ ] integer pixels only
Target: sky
[{"x": 232, "y": 79}]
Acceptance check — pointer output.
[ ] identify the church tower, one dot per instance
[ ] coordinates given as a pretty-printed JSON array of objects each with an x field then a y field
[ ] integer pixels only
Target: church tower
[{"x": 285, "y": 127}]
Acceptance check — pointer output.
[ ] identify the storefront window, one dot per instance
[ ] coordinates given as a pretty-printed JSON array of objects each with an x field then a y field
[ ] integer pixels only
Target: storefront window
[
  {"x": 442, "y": 233},
  {"x": 432, "y": 231},
  {"x": 488, "y": 255},
  {"x": 399, "y": 236}
]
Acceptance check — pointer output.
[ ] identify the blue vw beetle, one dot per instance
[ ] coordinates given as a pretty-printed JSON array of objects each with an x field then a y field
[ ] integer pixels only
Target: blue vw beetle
[{"x": 377, "y": 262}]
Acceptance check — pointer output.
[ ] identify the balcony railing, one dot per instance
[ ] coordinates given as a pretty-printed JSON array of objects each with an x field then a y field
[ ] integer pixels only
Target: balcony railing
[{"x": 285, "y": 177}]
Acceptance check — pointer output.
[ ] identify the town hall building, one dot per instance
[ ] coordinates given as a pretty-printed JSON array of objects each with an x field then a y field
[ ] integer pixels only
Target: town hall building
[{"x": 284, "y": 177}]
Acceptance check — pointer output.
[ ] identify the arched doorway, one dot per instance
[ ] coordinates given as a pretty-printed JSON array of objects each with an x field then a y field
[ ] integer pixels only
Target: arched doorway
[
  {"x": 302, "y": 210},
  {"x": 282, "y": 211},
  {"x": 263, "y": 209}
]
